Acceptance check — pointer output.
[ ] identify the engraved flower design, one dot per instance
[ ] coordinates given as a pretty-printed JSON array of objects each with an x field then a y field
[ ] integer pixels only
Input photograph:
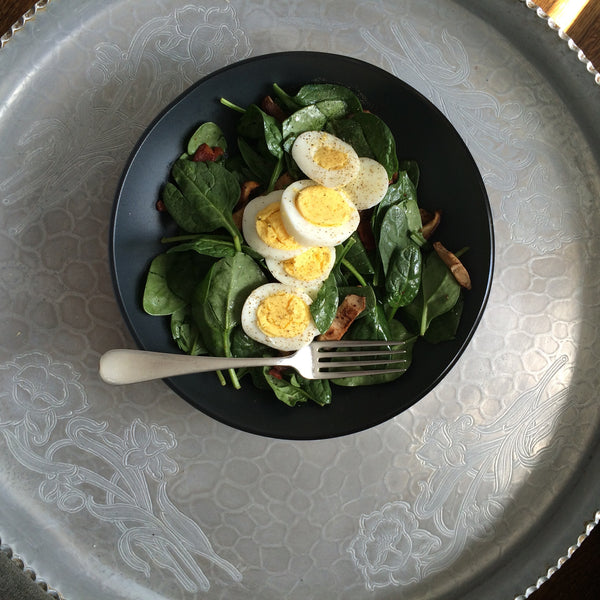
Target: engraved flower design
[
  {"x": 147, "y": 448},
  {"x": 61, "y": 488},
  {"x": 390, "y": 548},
  {"x": 543, "y": 220},
  {"x": 446, "y": 443},
  {"x": 37, "y": 393}
]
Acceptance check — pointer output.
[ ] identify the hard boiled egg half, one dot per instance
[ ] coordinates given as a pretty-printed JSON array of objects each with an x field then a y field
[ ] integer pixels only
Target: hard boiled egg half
[
  {"x": 264, "y": 231},
  {"x": 369, "y": 186},
  {"x": 307, "y": 270},
  {"x": 278, "y": 316},
  {"x": 325, "y": 158},
  {"x": 316, "y": 215}
]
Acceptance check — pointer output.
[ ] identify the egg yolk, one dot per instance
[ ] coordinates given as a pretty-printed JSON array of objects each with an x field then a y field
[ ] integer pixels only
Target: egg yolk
[
  {"x": 323, "y": 206},
  {"x": 330, "y": 158},
  {"x": 271, "y": 231},
  {"x": 282, "y": 315},
  {"x": 309, "y": 265}
]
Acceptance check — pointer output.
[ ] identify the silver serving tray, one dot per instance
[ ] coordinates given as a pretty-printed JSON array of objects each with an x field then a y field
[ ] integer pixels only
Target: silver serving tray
[{"x": 129, "y": 492}]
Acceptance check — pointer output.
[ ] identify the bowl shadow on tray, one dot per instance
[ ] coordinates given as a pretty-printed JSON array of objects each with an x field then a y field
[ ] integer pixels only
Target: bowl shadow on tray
[{"x": 449, "y": 180}]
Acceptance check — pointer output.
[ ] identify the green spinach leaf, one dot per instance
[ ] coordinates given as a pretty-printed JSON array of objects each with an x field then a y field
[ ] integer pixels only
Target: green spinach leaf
[
  {"x": 351, "y": 132},
  {"x": 258, "y": 125},
  {"x": 208, "y": 133},
  {"x": 412, "y": 170},
  {"x": 260, "y": 164},
  {"x": 380, "y": 139},
  {"x": 444, "y": 327},
  {"x": 185, "y": 333},
  {"x": 158, "y": 299},
  {"x": 401, "y": 193},
  {"x": 314, "y": 93},
  {"x": 318, "y": 390},
  {"x": 284, "y": 390},
  {"x": 218, "y": 300},
  {"x": 293, "y": 389},
  {"x": 203, "y": 198},
  {"x": 392, "y": 234},
  {"x": 185, "y": 271},
  {"x": 403, "y": 278},
  {"x": 324, "y": 306},
  {"x": 439, "y": 291},
  {"x": 313, "y": 117},
  {"x": 358, "y": 256},
  {"x": 243, "y": 346},
  {"x": 209, "y": 245}
]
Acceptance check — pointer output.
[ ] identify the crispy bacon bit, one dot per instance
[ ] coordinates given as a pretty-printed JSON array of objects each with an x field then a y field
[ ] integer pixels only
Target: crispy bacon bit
[
  {"x": 453, "y": 263},
  {"x": 205, "y": 153},
  {"x": 272, "y": 108},
  {"x": 365, "y": 231},
  {"x": 247, "y": 190},
  {"x": 283, "y": 181},
  {"x": 277, "y": 372},
  {"x": 430, "y": 222},
  {"x": 160, "y": 206},
  {"x": 347, "y": 311}
]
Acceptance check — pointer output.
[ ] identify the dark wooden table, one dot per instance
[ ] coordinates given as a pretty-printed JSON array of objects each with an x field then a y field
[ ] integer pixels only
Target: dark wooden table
[{"x": 579, "y": 577}]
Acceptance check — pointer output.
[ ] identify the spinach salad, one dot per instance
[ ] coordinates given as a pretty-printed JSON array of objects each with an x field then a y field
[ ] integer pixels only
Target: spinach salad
[{"x": 412, "y": 286}]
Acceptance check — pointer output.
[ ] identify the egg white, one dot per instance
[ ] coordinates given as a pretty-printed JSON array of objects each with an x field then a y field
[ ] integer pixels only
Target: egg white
[
  {"x": 308, "y": 143},
  {"x": 370, "y": 185},
  {"x": 309, "y": 286},
  {"x": 251, "y": 328},
  {"x": 310, "y": 234},
  {"x": 251, "y": 235}
]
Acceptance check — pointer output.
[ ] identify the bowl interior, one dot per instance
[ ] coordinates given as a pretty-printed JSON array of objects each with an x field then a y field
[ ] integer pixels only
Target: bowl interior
[{"x": 449, "y": 181}]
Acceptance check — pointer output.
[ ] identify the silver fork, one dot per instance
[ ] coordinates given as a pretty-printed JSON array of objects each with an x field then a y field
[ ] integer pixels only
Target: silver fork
[{"x": 319, "y": 360}]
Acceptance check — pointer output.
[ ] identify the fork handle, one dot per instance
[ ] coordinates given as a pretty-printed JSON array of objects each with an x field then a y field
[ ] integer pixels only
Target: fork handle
[{"x": 133, "y": 366}]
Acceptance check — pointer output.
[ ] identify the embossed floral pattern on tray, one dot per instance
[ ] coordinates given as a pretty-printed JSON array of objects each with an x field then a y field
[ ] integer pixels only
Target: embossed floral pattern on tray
[
  {"x": 133, "y": 497},
  {"x": 224, "y": 513}
]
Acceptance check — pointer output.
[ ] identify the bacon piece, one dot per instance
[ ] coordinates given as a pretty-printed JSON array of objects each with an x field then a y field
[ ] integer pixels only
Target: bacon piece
[
  {"x": 246, "y": 193},
  {"x": 430, "y": 222},
  {"x": 283, "y": 181},
  {"x": 273, "y": 109},
  {"x": 246, "y": 190},
  {"x": 453, "y": 263},
  {"x": 205, "y": 153},
  {"x": 277, "y": 371},
  {"x": 365, "y": 231},
  {"x": 347, "y": 311}
]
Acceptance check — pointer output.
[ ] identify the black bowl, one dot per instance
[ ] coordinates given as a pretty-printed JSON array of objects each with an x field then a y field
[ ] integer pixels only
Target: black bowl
[{"x": 449, "y": 180}]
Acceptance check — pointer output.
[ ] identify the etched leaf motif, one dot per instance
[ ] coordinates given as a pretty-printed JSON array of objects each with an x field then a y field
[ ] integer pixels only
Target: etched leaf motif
[
  {"x": 549, "y": 208},
  {"x": 126, "y": 88},
  {"x": 390, "y": 547},
  {"x": 190, "y": 535},
  {"x": 472, "y": 464},
  {"x": 127, "y": 485},
  {"x": 39, "y": 392},
  {"x": 147, "y": 450}
]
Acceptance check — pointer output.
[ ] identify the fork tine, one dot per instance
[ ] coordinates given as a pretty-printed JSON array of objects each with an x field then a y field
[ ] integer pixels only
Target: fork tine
[
  {"x": 325, "y": 356},
  {"x": 356, "y": 343},
  {"x": 359, "y": 363},
  {"x": 340, "y": 374}
]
